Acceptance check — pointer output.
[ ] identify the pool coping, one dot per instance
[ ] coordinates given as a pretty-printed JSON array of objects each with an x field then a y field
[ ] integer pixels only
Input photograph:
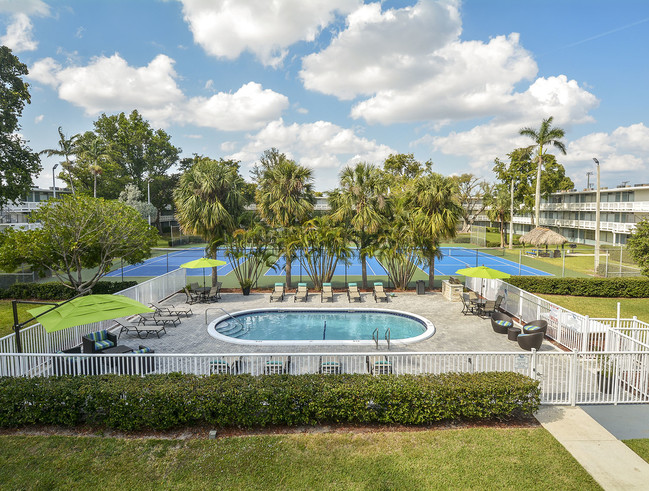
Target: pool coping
[{"x": 428, "y": 333}]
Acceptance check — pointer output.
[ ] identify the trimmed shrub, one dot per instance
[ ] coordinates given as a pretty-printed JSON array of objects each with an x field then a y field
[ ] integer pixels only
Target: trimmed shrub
[
  {"x": 584, "y": 287},
  {"x": 57, "y": 291},
  {"x": 175, "y": 400}
]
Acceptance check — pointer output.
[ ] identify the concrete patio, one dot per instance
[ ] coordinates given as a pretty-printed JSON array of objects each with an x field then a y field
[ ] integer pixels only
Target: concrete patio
[{"x": 455, "y": 332}]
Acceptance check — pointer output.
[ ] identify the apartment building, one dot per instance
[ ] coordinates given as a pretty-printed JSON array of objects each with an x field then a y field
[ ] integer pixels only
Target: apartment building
[{"x": 17, "y": 215}]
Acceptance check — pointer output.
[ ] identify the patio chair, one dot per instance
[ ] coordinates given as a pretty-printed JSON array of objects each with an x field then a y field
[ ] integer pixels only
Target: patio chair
[
  {"x": 534, "y": 326},
  {"x": 170, "y": 310},
  {"x": 145, "y": 364},
  {"x": 276, "y": 365},
  {"x": 467, "y": 307},
  {"x": 214, "y": 294},
  {"x": 157, "y": 319},
  {"x": 492, "y": 306},
  {"x": 192, "y": 297},
  {"x": 70, "y": 365},
  {"x": 353, "y": 293},
  {"x": 278, "y": 292},
  {"x": 378, "y": 365},
  {"x": 379, "y": 292},
  {"x": 329, "y": 365},
  {"x": 194, "y": 287},
  {"x": 96, "y": 342},
  {"x": 530, "y": 341},
  {"x": 140, "y": 330},
  {"x": 327, "y": 293},
  {"x": 500, "y": 322},
  {"x": 301, "y": 293},
  {"x": 227, "y": 365}
]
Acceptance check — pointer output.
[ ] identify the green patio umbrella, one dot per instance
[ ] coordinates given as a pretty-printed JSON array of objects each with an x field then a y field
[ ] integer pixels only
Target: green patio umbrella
[
  {"x": 204, "y": 262},
  {"x": 86, "y": 310},
  {"x": 483, "y": 272}
]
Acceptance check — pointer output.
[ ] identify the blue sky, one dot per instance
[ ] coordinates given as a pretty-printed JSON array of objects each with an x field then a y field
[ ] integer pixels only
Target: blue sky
[{"x": 333, "y": 82}]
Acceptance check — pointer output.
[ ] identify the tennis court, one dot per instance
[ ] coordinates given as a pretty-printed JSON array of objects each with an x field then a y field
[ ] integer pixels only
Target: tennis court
[
  {"x": 171, "y": 259},
  {"x": 354, "y": 268},
  {"x": 460, "y": 257}
]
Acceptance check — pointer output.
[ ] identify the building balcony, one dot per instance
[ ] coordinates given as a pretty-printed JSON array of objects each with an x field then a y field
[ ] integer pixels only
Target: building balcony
[{"x": 615, "y": 207}]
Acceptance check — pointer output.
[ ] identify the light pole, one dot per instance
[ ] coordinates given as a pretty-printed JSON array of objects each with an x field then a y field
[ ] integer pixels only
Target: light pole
[
  {"x": 588, "y": 174},
  {"x": 148, "y": 198},
  {"x": 54, "y": 179},
  {"x": 597, "y": 220},
  {"x": 511, "y": 214}
]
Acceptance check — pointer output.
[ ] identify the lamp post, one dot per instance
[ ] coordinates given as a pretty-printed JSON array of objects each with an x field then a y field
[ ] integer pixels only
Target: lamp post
[
  {"x": 148, "y": 198},
  {"x": 511, "y": 214},
  {"x": 54, "y": 179},
  {"x": 597, "y": 219}
]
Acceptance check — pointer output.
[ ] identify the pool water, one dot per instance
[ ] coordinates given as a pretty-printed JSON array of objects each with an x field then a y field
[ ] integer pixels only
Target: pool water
[{"x": 322, "y": 325}]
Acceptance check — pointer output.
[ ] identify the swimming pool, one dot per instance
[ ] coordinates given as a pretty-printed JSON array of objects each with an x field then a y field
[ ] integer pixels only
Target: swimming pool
[{"x": 319, "y": 326}]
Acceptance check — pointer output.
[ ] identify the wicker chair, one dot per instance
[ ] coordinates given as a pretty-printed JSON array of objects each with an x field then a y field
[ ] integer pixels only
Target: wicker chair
[
  {"x": 500, "y": 322},
  {"x": 535, "y": 326},
  {"x": 530, "y": 341}
]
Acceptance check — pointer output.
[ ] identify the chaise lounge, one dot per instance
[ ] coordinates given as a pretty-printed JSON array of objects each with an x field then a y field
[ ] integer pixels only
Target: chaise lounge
[
  {"x": 379, "y": 293},
  {"x": 327, "y": 294},
  {"x": 278, "y": 292},
  {"x": 352, "y": 293}
]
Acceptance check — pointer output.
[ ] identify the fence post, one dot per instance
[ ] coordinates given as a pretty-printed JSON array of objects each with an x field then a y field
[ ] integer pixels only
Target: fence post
[
  {"x": 584, "y": 333},
  {"x": 572, "y": 388},
  {"x": 533, "y": 365}
]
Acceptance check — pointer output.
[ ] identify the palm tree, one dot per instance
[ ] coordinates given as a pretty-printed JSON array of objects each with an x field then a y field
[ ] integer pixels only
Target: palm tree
[
  {"x": 208, "y": 201},
  {"x": 437, "y": 212},
  {"x": 498, "y": 208},
  {"x": 284, "y": 198},
  {"x": 67, "y": 148},
  {"x": 95, "y": 151},
  {"x": 543, "y": 137},
  {"x": 361, "y": 202}
]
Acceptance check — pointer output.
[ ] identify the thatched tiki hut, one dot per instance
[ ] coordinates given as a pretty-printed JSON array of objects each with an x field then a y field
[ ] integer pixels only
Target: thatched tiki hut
[{"x": 541, "y": 236}]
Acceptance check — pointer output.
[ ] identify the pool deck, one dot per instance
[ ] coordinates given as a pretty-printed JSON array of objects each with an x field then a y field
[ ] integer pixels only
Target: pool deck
[{"x": 455, "y": 332}]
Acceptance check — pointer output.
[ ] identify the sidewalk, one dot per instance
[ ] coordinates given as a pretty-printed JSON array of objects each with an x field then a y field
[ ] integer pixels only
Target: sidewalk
[{"x": 611, "y": 463}]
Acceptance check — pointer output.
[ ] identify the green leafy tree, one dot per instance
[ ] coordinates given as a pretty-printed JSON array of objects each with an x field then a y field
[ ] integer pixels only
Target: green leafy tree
[
  {"x": 323, "y": 243},
  {"x": 132, "y": 196},
  {"x": 361, "y": 202},
  {"x": 437, "y": 212},
  {"x": 250, "y": 253},
  {"x": 405, "y": 165},
  {"x": 67, "y": 149},
  {"x": 79, "y": 233},
  {"x": 95, "y": 152},
  {"x": 471, "y": 193},
  {"x": 499, "y": 204},
  {"x": 638, "y": 245},
  {"x": 17, "y": 161},
  {"x": 284, "y": 198},
  {"x": 208, "y": 201},
  {"x": 544, "y": 137}
]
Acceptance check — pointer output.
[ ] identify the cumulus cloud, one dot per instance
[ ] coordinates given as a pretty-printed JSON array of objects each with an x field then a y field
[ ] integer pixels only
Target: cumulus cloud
[
  {"x": 321, "y": 145},
  {"x": 110, "y": 84},
  {"x": 19, "y": 36},
  {"x": 227, "y": 28}
]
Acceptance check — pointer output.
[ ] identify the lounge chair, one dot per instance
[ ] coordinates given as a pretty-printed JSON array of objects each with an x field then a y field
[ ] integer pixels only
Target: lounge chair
[
  {"x": 329, "y": 365},
  {"x": 229, "y": 365},
  {"x": 157, "y": 319},
  {"x": 530, "y": 341},
  {"x": 378, "y": 365},
  {"x": 301, "y": 293},
  {"x": 277, "y": 365},
  {"x": 353, "y": 293},
  {"x": 501, "y": 323},
  {"x": 327, "y": 293},
  {"x": 379, "y": 293},
  {"x": 170, "y": 310},
  {"x": 534, "y": 326},
  {"x": 140, "y": 330},
  {"x": 278, "y": 292},
  {"x": 192, "y": 297},
  {"x": 467, "y": 307},
  {"x": 96, "y": 342}
]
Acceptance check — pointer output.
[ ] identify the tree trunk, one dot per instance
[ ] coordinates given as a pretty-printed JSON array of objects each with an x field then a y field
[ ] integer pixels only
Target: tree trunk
[
  {"x": 431, "y": 271},
  {"x": 537, "y": 196},
  {"x": 364, "y": 270},
  {"x": 288, "y": 271},
  {"x": 502, "y": 231}
]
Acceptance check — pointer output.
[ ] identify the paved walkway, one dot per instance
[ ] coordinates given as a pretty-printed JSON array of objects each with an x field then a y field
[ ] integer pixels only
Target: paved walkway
[{"x": 611, "y": 463}]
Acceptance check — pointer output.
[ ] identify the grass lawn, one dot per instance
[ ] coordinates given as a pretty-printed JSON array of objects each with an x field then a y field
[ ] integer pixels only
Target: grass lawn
[
  {"x": 477, "y": 458},
  {"x": 639, "y": 446},
  {"x": 603, "y": 306},
  {"x": 7, "y": 316}
]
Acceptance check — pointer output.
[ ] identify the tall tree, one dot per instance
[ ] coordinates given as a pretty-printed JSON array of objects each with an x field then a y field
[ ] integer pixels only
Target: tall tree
[
  {"x": 17, "y": 161},
  {"x": 405, "y": 165},
  {"x": 208, "y": 201},
  {"x": 638, "y": 245},
  {"x": 79, "y": 233},
  {"x": 96, "y": 152},
  {"x": 544, "y": 137},
  {"x": 284, "y": 198},
  {"x": 67, "y": 148},
  {"x": 361, "y": 201},
  {"x": 437, "y": 212},
  {"x": 471, "y": 192},
  {"x": 498, "y": 208}
]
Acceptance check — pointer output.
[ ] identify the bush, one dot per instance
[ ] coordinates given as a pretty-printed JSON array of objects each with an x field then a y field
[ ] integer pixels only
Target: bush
[
  {"x": 462, "y": 239},
  {"x": 57, "y": 291},
  {"x": 584, "y": 287},
  {"x": 175, "y": 400}
]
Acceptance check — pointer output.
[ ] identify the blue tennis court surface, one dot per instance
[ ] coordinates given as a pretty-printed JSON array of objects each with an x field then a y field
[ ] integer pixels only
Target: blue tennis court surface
[
  {"x": 459, "y": 257},
  {"x": 164, "y": 263},
  {"x": 374, "y": 267}
]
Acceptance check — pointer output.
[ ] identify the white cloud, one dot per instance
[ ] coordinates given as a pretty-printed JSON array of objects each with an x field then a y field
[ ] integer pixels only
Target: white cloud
[
  {"x": 226, "y": 28},
  {"x": 39, "y": 118},
  {"x": 383, "y": 50},
  {"x": 28, "y": 7},
  {"x": 19, "y": 35},
  {"x": 321, "y": 145},
  {"x": 110, "y": 84}
]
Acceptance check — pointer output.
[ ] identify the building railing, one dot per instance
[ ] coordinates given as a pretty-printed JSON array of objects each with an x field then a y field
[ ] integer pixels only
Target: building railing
[{"x": 608, "y": 206}]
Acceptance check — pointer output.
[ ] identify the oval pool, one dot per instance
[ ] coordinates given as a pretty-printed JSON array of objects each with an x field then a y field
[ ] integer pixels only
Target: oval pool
[{"x": 319, "y": 326}]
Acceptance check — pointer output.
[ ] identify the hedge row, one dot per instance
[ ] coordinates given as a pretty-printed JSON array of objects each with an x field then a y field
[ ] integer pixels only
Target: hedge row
[
  {"x": 175, "y": 400},
  {"x": 57, "y": 291},
  {"x": 584, "y": 287}
]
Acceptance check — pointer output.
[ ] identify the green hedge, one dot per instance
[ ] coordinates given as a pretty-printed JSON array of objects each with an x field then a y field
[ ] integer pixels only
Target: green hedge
[
  {"x": 584, "y": 287},
  {"x": 57, "y": 291},
  {"x": 175, "y": 400}
]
